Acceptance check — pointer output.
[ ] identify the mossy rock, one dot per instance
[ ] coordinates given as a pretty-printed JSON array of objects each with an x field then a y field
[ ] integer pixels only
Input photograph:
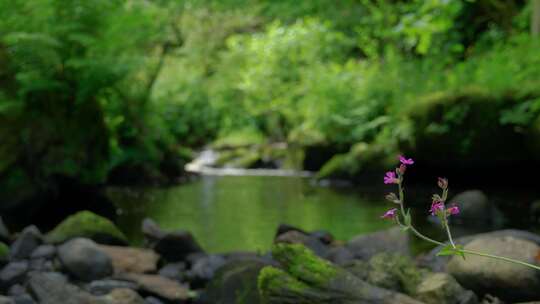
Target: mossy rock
[
  {"x": 89, "y": 225},
  {"x": 4, "y": 251},
  {"x": 466, "y": 129},
  {"x": 362, "y": 158}
]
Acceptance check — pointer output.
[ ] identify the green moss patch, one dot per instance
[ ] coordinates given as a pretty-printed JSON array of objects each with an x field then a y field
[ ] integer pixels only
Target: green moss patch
[{"x": 89, "y": 225}]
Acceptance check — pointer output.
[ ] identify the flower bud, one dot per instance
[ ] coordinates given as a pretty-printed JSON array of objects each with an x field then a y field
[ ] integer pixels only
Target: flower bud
[
  {"x": 402, "y": 169},
  {"x": 442, "y": 183},
  {"x": 392, "y": 197}
]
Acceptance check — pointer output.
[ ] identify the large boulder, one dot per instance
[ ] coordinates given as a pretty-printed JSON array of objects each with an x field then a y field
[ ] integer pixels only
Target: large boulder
[
  {"x": 88, "y": 225},
  {"x": 128, "y": 259},
  {"x": 476, "y": 210},
  {"x": 83, "y": 259},
  {"x": 235, "y": 282},
  {"x": 508, "y": 281},
  {"x": 306, "y": 278},
  {"x": 173, "y": 246},
  {"x": 28, "y": 240},
  {"x": 442, "y": 288},
  {"x": 366, "y": 246}
]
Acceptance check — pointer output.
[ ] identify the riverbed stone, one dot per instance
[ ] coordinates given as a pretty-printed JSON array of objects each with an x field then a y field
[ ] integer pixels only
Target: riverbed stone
[
  {"x": 28, "y": 240},
  {"x": 53, "y": 288},
  {"x": 203, "y": 269},
  {"x": 45, "y": 251},
  {"x": 124, "y": 296},
  {"x": 173, "y": 246},
  {"x": 103, "y": 287},
  {"x": 174, "y": 271},
  {"x": 13, "y": 273},
  {"x": 339, "y": 255},
  {"x": 508, "y": 281},
  {"x": 6, "y": 300},
  {"x": 88, "y": 225},
  {"x": 83, "y": 259},
  {"x": 24, "y": 299},
  {"x": 311, "y": 242},
  {"x": 366, "y": 246},
  {"x": 475, "y": 209},
  {"x": 442, "y": 288},
  {"x": 235, "y": 282},
  {"x": 129, "y": 259},
  {"x": 157, "y": 285},
  {"x": 152, "y": 300}
]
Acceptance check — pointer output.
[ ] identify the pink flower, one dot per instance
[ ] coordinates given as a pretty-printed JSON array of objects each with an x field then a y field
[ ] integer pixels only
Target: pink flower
[
  {"x": 436, "y": 207},
  {"x": 406, "y": 161},
  {"x": 453, "y": 210},
  {"x": 390, "y": 178},
  {"x": 390, "y": 214},
  {"x": 442, "y": 183}
]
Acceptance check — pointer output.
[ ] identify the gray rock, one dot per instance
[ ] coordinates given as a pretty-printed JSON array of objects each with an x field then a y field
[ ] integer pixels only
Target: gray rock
[
  {"x": 84, "y": 260},
  {"x": 13, "y": 273},
  {"x": 6, "y": 300},
  {"x": 235, "y": 282},
  {"x": 476, "y": 210},
  {"x": 391, "y": 240},
  {"x": 442, "y": 288},
  {"x": 44, "y": 252},
  {"x": 103, "y": 287},
  {"x": 53, "y": 288},
  {"x": 339, "y": 255},
  {"x": 124, "y": 296},
  {"x": 203, "y": 269},
  {"x": 508, "y": 281},
  {"x": 24, "y": 299},
  {"x": 174, "y": 271},
  {"x": 173, "y": 246},
  {"x": 157, "y": 285},
  {"x": 152, "y": 300},
  {"x": 438, "y": 263},
  {"x": 29, "y": 239},
  {"x": 311, "y": 242},
  {"x": 41, "y": 265}
]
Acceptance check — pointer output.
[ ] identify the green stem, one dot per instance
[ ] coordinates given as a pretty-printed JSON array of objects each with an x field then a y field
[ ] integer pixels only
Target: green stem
[{"x": 499, "y": 258}]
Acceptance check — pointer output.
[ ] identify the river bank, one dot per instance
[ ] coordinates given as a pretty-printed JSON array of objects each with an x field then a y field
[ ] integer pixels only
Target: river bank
[{"x": 85, "y": 260}]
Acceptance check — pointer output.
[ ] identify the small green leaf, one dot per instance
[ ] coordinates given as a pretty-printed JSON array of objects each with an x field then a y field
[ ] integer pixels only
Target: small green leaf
[
  {"x": 404, "y": 228},
  {"x": 449, "y": 250}
]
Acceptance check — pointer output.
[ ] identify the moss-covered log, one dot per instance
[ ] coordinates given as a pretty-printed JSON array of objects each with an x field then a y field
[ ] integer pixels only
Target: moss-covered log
[{"x": 306, "y": 278}]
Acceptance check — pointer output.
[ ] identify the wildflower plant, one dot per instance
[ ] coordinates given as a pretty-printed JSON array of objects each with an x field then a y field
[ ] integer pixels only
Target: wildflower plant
[{"x": 439, "y": 208}]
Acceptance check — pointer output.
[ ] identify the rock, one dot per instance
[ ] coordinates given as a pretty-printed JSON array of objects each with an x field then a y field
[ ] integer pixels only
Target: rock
[
  {"x": 508, "y": 281},
  {"x": 235, "y": 282},
  {"x": 173, "y": 271},
  {"x": 394, "y": 271},
  {"x": 41, "y": 265},
  {"x": 152, "y": 300},
  {"x": 44, "y": 251},
  {"x": 24, "y": 299},
  {"x": 103, "y": 287},
  {"x": 367, "y": 245},
  {"x": 6, "y": 300},
  {"x": 124, "y": 296},
  {"x": 83, "y": 259},
  {"x": 29, "y": 239},
  {"x": 284, "y": 228},
  {"x": 296, "y": 237},
  {"x": 5, "y": 236},
  {"x": 439, "y": 263},
  {"x": 306, "y": 278},
  {"x": 126, "y": 259},
  {"x": 173, "y": 246},
  {"x": 475, "y": 209},
  {"x": 339, "y": 255},
  {"x": 324, "y": 236},
  {"x": 89, "y": 225},
  {"x": 13, "y": 273},
  {"x": 4, "y": 252},
  {"x": 159, "y": 286},
  {"x": 442, "y": 288},
  {"x": 53, "y": 288},
  {"x": 203, "y": 270}
]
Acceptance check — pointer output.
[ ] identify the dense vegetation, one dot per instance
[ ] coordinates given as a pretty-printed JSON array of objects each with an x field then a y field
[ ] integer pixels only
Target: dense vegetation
[{"x": 122, "y": 91}]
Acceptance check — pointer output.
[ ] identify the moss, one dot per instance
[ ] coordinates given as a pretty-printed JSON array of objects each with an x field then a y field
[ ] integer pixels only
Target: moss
[
  {"x": 4, "y": 251},
  {"x": 272, "y": 279},
  {"x": 396, "y": 272},
  {"x": 301, "y": 262},
  {"x": 86, "y": 224}
]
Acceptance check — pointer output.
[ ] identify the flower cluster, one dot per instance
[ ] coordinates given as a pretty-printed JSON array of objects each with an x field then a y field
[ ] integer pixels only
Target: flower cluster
[{"x": 438, "y": 207}]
